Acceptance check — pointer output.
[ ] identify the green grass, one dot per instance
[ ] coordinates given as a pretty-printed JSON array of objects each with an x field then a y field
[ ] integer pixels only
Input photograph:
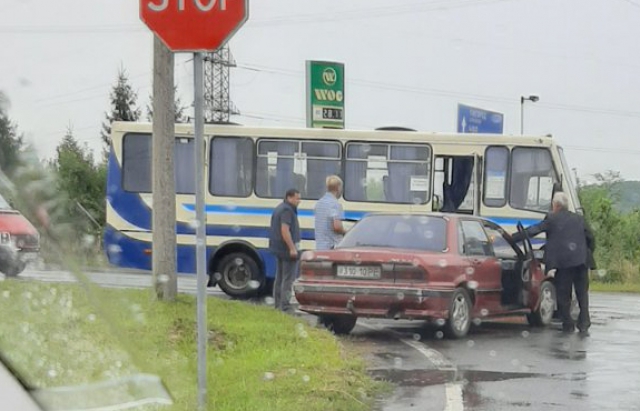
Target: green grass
[
  {"x": 614, "y": 287},
  {"x": 258, "y": 359}
]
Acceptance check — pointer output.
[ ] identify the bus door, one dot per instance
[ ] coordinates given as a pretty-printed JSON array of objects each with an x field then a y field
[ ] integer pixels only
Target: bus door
[{"x": 455, "y": 189}]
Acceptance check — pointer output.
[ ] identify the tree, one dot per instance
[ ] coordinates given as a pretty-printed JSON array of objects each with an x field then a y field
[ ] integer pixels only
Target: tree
[
  {"x": 178, "y": 108},
  {"x": 123, "y": 107},
  {"x": 11, "y": 143}
]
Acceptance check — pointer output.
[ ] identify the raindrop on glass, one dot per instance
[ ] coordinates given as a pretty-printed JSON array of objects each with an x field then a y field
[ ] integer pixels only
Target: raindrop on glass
[
  {"x": 473, "y": 285},
  {"x": 291, "y": 371},
  {"x": 602, "y": 273},
  {"x": 28, "y": 295},
  {"x": 439, "y": 335},
  {"x": 88, "y": 240},
  {"x": 238, "y": 261},
  {"x": 477, "y": 322},
  {"x": 470, "y": 270},
  {"x": 440, "y": 322},
  {"x": 493, "y": 353},
  {"x": 471, "y": 343},
  {"x": 217, "y": 276},
  {"x": 306, "y": 378},
  {"x": 397, "y": 362},
  {"x": 573, "y": 246},
  {"x": 53, "y": 373},
  {"x": 269, "y": 300},
  {"x": 91, "y": 317},
  {"x": 357, "y": 259},
  {"x": 525, "y": 334},
  {"x": 429, "y": 235},
  {"x": 200, "y": 242},
  {"x": 254, "y": 285},
  {"x": 400, "y": 296},
  {"x": 236, "y": 229},
  {"x": 163, "y": 279},
  {"x": 230, "y": 206},
  {"x": 424, "y": 220},
  {"x": 417, "y": 337},
  {"x": 416, "y": 262},
  {"x": 194, "y": 224},
  {"x": 6, "y": 294},
  {"x": 366, "y": 148},
  {"x": 114, "y": 249},
  {"x": 268, "y": 376},
  {"x": 119, "y": 364},
  {"x": 417, "y": 200},
  {"x": 443, "y": 263},
  {"x": 484, "y": 312}
]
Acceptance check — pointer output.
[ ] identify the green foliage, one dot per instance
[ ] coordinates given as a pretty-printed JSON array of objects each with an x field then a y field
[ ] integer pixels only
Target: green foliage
[
  {"x": 617, "y": 233},
  {"x": 179, "y": 109},
  {"x": 11, "y": 142}
]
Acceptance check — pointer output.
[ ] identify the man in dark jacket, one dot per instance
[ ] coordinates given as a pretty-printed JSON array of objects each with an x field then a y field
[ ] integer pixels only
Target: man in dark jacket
[
  {"x": 569, "y": 253},
  {"x": 284, "y": 242}
]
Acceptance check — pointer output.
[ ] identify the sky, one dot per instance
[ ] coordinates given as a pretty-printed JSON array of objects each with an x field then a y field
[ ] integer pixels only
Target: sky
[{"x": 408, "y": 63}]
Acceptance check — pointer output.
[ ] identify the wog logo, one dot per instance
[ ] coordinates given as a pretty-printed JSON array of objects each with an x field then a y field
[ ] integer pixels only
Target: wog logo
[{"x": 329, "y": 76}]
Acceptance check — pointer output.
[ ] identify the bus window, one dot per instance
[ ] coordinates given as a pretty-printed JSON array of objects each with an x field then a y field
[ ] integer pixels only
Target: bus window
[
  {"x": 495, "y": 176},
  {"x": 532, "y": 179},
  {"x": 390, "y": 173},
  {"x": 231, "y": 153},
  {"x": 305, "y": 165},
  {"x": 136, "y": 167}
]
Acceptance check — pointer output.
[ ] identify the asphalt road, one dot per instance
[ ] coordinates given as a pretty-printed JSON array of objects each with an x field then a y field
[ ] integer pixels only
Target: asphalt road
[{"x": 500, "y": 366}]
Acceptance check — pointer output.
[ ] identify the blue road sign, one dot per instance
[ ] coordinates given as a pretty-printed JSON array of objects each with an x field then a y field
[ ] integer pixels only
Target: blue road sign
[{"x": 477, "y": 120}]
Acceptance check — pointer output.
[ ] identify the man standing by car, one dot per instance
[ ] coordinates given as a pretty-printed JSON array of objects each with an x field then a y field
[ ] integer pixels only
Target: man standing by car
[
  {"x": 284, "y": 239},
  {"x": 328, "y": 216},
  {"x": 568, "y": 251}
]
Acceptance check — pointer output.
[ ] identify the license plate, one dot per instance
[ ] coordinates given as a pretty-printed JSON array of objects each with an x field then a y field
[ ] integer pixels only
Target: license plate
[{"x": 356, "y": 271}]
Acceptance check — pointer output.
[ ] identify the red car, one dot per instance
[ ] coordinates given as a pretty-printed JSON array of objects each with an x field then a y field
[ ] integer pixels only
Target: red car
[
  {"x": 19, "y": 240},
  {"x": 447, "y": 269}
]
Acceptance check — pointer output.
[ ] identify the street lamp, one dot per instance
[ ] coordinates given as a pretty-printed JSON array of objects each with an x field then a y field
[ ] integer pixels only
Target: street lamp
[{"x": 531, "y": 98}]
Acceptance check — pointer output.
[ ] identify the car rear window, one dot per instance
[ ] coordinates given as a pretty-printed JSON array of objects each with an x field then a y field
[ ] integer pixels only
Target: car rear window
[{"x": 426, "y": 233}]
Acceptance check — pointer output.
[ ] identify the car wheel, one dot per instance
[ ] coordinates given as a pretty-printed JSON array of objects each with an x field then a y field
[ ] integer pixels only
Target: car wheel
[
  {"x": 240, "y": 275},
  {"x": 339, "y": 324},
  {"x": 459, "y": 321},
  {"x": 543, "y": 314},
  {"x": 15, "y": 269}
]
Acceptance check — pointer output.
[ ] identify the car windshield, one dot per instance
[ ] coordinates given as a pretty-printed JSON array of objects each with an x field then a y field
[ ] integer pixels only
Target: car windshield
[
  {"x": 4, "y": 204},
  {"x": 426, "y": 233}
]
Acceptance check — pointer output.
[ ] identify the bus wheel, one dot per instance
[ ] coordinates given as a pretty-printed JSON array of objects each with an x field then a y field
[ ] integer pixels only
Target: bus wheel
[{"x": 240, "y": 275}]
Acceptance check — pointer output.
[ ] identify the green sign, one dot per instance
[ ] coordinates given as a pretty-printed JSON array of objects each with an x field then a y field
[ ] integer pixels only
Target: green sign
[{"x": 325, "y": 94}]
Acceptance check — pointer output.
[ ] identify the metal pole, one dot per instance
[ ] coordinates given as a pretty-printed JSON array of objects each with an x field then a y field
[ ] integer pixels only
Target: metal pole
[
  {"x": 201, "y": 238},
  {"x": 521, "y": 115}
]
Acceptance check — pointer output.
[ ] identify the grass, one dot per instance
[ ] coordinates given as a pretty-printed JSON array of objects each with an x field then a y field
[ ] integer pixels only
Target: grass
[
  {"x": 614, "y": 287},
  {"x": 258, "y": 359}
]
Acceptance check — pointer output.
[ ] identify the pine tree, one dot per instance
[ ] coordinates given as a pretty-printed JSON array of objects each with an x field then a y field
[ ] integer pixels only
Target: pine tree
[
  {"x": 123, "y": 107},
  {"x": 11, "y": 143},
  {"x": 178, "y": 108}
]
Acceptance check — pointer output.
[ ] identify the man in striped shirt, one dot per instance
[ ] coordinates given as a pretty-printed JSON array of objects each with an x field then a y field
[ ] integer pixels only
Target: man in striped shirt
[{"x": 329, "y": 215}]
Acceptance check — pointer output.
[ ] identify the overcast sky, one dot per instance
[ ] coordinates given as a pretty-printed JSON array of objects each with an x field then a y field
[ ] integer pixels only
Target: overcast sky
[{"x": 408, "y": 63}]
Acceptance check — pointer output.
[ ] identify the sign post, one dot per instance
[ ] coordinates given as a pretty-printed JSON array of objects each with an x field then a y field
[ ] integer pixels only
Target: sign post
[
  {"x": 197, "y": 26},
  {"x": 325, "y": 94},
  {"x": 478, "y": 120}
]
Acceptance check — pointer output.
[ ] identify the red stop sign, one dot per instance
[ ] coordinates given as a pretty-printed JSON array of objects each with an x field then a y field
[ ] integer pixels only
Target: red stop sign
[{"x": 194, "y": 25}]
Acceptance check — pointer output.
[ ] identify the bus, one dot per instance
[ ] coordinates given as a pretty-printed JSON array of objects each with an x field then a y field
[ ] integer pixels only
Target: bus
[{"x": 506, "y": 179}]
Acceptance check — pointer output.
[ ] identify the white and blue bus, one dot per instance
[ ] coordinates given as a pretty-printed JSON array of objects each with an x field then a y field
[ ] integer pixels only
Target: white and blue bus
[{"x": 503, "y": 178}]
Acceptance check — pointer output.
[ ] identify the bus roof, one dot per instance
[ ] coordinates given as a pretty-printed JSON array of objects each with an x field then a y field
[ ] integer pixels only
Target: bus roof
[{"x": 187, "y": 129}]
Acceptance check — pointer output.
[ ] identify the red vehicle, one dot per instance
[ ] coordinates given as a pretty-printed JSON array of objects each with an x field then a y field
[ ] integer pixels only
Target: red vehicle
[
  {"x": 19, "y": 240},
  {"x": 447, "y": 269}
]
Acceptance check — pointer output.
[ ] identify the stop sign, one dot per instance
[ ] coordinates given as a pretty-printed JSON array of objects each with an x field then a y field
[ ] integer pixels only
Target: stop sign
[{"x": 194, "y": 25}]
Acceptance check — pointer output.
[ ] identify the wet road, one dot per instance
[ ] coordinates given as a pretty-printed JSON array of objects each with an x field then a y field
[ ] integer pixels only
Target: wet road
[{"x": 500, "y": 366}]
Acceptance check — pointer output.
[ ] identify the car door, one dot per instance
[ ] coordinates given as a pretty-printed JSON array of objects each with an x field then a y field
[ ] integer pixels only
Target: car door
[
  {"x": 529, "y": 266},
  {"x": 483, "y": 268}
]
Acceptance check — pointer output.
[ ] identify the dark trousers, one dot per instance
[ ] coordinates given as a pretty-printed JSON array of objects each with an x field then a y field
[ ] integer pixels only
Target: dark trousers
[
  {"x": 286, "y": 273},
  {"x": 578, "y": 278}
]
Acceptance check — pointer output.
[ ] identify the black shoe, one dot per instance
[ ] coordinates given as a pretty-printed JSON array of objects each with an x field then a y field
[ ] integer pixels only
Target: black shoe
[{"x": 584, "y": 333}]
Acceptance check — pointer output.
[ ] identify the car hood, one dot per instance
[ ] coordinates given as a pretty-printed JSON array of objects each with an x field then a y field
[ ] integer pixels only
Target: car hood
[{"x": 15, "y": 223}]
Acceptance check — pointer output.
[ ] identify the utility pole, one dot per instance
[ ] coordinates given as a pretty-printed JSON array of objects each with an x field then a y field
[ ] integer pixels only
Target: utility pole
[
  {"x": 165, "y": 278},
  {"x": 218, "y": 106}
]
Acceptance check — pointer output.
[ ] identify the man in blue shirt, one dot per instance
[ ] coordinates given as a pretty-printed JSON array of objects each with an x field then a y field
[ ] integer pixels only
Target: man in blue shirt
[
  {"x": 284, "y": 240},
  {"x": 329, "y": 215}
]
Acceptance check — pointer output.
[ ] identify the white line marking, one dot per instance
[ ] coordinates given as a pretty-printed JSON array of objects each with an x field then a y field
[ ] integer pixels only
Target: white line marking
[{"x": 452, "y": 390}]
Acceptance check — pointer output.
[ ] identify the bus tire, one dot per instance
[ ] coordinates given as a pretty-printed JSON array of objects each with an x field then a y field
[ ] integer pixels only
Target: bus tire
[{"x": 240, "y": 275}]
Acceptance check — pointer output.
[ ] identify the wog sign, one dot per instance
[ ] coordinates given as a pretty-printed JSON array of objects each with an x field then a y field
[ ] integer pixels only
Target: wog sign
[
  {"x": 194, "y": 25},
  {"x": 325, "y": 94}
]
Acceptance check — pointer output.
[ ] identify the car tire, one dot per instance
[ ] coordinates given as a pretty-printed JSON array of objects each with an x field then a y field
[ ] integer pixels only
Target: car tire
[
  {"x": 15, "y": 269},
  {"x": 338, "y": 324},
  {"x": 459, "y": 321},
  {"x": 240, "y": 276},
  {"x": 543, "y": 314}
]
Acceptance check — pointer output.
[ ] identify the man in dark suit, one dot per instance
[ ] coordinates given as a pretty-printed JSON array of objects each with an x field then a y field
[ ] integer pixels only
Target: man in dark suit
[{"x": 569, "y": 253}]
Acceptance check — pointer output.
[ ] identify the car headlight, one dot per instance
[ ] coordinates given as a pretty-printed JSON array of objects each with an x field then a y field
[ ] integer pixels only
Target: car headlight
[{"x": 5, "y": 238}]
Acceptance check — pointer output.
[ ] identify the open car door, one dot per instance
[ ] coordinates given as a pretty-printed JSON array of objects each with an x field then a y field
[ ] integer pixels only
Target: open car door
[{"x": 526, "y": 265}]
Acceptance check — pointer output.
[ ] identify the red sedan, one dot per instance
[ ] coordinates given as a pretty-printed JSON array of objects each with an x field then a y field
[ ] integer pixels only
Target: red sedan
[{"x": 447, "y": 269}]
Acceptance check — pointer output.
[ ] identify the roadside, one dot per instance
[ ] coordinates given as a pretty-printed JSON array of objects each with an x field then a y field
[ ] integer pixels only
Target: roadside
[
  {"x": 614, "y": 287},
  {"x": 64, "y": 334}
]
